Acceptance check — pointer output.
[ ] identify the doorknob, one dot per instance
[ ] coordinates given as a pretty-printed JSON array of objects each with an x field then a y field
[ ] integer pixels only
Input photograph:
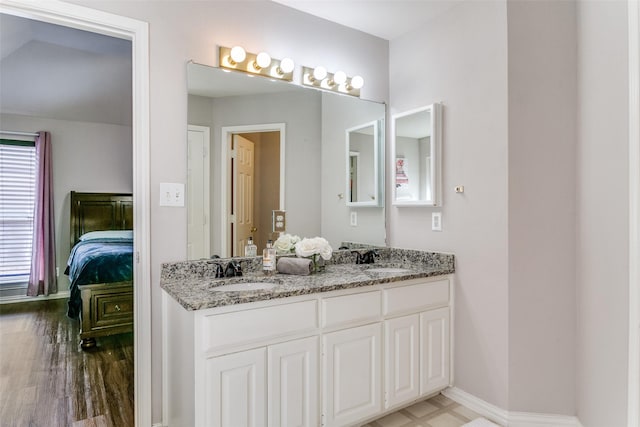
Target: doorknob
[{"x": 253, "y": 229}]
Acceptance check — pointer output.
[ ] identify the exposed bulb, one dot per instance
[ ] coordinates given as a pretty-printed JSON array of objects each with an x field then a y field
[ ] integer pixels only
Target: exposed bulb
[
  {"x": 357, "y": 82},
  {"x": 339, "y": 77},
  {"x": 286, "y": 65},
  {"x": 319, "y": 73},
  {"x": 238, "y": 54},
  {"x": 263, "y": 60}
]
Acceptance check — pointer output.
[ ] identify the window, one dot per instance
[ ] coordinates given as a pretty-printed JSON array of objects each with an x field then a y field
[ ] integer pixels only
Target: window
[{"x": 17, "y": 199}]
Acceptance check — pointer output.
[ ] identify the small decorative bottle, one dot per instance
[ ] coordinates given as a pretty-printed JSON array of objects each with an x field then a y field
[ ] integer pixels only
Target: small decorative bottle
[
  {"x": 269, "y": 259},
  {"x": 250, "y": 248}
]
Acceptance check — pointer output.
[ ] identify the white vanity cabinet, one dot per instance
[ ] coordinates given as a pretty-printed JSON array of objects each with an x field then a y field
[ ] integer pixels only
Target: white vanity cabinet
[
  {"x": 238, "y": 382},
  {"x": 352, "y": 364},
  {"x": 337, "y": 358},
  {"x": 292, "y": 377}
]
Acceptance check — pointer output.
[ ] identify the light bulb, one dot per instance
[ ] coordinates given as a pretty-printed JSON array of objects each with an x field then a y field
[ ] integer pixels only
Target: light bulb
[
  {"x": 238, "y": 54},
  {"x": 357, "y": 82},
  {"x": 263, "y": 60},
  {"x": 286, "y": 65},
  {"x": 339, "y": 77},
  {"x": 319, "y": 73}
]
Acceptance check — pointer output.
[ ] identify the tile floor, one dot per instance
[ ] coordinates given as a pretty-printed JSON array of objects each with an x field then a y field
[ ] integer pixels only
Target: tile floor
[{"x": 439, "y": 411}]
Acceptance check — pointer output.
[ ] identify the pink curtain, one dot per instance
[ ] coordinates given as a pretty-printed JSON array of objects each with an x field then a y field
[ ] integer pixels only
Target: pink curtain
[{"x": 42, "y": 279}]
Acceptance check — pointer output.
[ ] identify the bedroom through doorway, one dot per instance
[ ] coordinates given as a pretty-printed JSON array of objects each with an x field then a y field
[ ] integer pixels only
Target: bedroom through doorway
[{"x": 77, "y": 85}]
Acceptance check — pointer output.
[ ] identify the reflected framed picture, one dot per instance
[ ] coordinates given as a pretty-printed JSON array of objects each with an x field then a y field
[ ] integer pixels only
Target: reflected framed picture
[{"x": 402, "y": 178}]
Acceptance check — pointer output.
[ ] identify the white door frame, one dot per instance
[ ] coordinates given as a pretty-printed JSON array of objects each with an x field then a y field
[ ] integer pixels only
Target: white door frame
[
  {"x": 227, "y": 133},
  {"x": 69, "y": 15},
  {"x": 207, "y": 185},
  {"x": 633, "y": 416}
]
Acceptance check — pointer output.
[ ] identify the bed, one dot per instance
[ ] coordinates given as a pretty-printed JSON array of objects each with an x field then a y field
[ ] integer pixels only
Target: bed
[{"x": 100, "y": 265}]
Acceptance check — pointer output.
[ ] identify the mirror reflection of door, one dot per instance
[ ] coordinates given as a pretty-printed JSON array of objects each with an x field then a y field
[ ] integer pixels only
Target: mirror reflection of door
[
  {"x": 255, "y": 188},
  {"x": 198, "y": 234},
  {"x": 354, "y": 175}
]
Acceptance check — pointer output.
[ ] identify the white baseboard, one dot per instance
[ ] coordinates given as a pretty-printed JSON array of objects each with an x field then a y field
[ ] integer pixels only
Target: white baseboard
[
  {"x": 506, "y": 418},
  {"x": 24, "y": 298}
]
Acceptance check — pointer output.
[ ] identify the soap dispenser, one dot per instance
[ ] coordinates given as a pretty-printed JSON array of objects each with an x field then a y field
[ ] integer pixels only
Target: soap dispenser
[
  {"x": 250, "y": 248},
  {"x": 269, "y": 259}
]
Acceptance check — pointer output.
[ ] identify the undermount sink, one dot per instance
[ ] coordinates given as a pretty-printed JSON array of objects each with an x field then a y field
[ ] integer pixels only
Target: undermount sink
[
  {"x": 245, "y": 286},
  {"x": 388, "y": 270}
]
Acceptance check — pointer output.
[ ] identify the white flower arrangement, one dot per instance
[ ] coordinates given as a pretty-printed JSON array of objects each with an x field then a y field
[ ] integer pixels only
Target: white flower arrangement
[
  {"x": 311, "y": 247},
  {"x": 286, "y": 243}
]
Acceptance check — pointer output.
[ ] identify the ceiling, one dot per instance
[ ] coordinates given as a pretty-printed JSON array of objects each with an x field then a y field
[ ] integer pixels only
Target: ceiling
[
  {"x": 387, "y": 19},
  {"x": 36, "y": 80},
  {"x": 63, "y": 73}
]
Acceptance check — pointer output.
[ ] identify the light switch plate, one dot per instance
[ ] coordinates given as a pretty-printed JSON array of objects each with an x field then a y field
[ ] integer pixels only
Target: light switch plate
[
  {"x": 436, "y": 221},
  {"x": 171, "y": 194}
]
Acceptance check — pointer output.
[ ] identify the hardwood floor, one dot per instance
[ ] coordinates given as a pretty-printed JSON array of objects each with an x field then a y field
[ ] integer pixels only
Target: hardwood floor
[{"x": 47, "y": 380}]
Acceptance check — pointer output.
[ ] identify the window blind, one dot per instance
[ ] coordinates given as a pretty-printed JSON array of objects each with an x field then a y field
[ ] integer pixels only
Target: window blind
[{"x": 17, "y": 199}]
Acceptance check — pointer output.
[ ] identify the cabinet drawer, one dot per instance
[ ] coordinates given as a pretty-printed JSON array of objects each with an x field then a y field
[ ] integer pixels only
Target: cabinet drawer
[
  {"x": 236, "y": 328},
  {"x": 112, "y": 309},
  {"x": 350, "y": 308},
  {"x": 415, "y": 297}
]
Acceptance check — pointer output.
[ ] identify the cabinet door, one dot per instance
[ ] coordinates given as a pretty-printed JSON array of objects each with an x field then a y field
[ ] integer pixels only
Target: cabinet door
[
  {"x": 236, "y": 390},
  {"x": 401, "y": 344},
  {"x": 352, "y": 373},
  {"x": 293, "y": 383},
  {"x": 434, "y": 350}
]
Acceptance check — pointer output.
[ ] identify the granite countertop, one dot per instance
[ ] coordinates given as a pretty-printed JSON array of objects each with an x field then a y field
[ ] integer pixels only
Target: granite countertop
[{"x": 192, "y": 283}]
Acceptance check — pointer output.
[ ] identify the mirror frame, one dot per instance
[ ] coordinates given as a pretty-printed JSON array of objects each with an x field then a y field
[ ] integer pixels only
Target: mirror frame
[
  {"x": 377, "y": 170},
  {"x": 435, "y": 152}
]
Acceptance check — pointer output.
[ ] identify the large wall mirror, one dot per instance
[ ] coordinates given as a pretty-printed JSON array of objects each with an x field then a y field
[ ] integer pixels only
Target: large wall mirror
[
  {"x": 255, "y": 146},
  {"x": 363, "y": 154},
  {"x": 416, "y": 151}
]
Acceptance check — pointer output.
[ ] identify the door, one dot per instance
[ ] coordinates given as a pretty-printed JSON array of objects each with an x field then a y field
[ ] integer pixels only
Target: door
[
  {"x": 236, "y": 390},
  {"x": 352, "y": 370},
  {"x": 292, "y": 399},
  {"x": 434, "y": 350},
  {"x": 243, "y": 171},
  {"x": 401, "y": 344},
  {"x": 198, "y": 235}
]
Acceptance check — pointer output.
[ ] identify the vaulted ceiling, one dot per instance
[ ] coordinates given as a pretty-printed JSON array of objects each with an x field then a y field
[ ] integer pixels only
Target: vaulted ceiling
[{"x": 63, "y": 73}]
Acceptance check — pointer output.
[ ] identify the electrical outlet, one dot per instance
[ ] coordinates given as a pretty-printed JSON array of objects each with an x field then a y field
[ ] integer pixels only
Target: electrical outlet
[
  {"x": 279, "y": 220},
  {"x": 353, "y": 219},
  {"x": 436, "y": 221}
]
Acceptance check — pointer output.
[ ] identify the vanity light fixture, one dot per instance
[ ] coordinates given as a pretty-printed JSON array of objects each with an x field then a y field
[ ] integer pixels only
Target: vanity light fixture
[
  {"x": 262, "y": 64},
  {"x": 318, "y": 77}
]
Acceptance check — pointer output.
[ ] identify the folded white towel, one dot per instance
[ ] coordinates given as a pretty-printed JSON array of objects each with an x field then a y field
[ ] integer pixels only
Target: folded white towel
[{"x": 480, "y": 422}]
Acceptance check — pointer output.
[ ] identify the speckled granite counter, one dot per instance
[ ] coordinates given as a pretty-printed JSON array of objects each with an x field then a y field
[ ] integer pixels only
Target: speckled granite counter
[{"x": 192, "y": 283}]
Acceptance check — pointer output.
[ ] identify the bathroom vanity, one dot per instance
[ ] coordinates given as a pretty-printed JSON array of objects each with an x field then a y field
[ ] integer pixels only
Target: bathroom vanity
[{"x": 334, "y": 349}]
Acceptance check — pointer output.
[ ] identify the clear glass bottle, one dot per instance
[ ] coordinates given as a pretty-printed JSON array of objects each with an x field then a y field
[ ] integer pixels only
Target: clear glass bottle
[
  {"x": 269, "y": 259},
  {"x": 250, "y": 249}
]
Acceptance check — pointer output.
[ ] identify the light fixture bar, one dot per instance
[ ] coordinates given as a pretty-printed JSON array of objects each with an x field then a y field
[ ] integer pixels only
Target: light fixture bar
[
  {"x": 260, "y": 64},
  {"x": 332, "y": 82}
]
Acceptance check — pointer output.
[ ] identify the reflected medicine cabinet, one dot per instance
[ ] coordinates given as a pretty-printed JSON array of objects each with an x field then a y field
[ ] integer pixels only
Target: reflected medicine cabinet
[
  {"x": 363, "y": 156},
  {"x": 416, "y": 153}
]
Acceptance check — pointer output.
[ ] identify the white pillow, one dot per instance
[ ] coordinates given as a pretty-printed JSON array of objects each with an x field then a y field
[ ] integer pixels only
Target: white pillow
[{"x": 107, "y": 234}]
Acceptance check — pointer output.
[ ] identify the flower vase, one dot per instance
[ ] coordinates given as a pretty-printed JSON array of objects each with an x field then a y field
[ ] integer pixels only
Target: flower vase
[{"x": 317, "y": 263}]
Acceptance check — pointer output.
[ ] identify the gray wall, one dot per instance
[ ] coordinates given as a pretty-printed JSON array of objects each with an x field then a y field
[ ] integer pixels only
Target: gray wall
[
  {"x": 541, "y": 197},
  {"x": 602, "y": 214},
  {"x": 461, "y": 60},
  {"x": 192, "y": 30},
  {"x": 94, "y": 157}
]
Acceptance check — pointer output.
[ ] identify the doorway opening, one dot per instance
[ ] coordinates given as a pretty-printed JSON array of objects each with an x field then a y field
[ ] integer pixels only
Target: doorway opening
[{"x": 252, "y": 184}]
